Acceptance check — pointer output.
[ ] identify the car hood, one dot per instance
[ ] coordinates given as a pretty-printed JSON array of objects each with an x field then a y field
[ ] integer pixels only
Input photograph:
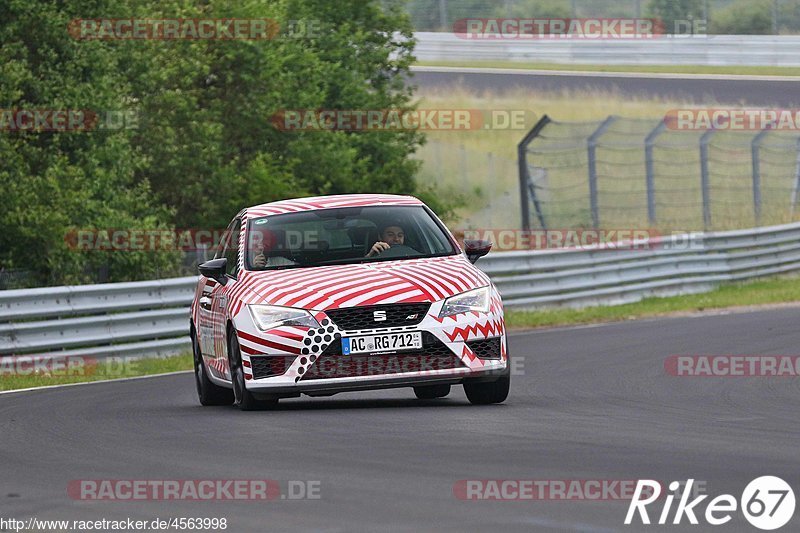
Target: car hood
[{"x": 385, "y": 282}]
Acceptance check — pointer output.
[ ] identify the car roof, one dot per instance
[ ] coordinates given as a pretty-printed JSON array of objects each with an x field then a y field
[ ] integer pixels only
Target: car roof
[{"x": 328, "y": 202}]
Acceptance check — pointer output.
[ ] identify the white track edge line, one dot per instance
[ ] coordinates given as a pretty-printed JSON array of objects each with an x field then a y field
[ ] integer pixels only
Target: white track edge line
[{"x": 134, "y": 378}]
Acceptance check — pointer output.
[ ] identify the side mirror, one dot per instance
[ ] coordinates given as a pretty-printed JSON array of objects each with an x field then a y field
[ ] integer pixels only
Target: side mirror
[
  {"x": 215, "y": 269},
  {"x": 476, "y": 249}
]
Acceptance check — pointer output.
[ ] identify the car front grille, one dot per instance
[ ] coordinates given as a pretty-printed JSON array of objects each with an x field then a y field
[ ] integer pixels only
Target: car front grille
[
  {"x": 433, "y": 356},
  {"x": 486, "y": 348},
  {"x": 397, "y": 315},
  {"x": 267, "y": 366}
]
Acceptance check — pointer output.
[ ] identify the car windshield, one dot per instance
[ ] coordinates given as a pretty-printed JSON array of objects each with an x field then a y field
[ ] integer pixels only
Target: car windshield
[{"x": 344, "y": 235}]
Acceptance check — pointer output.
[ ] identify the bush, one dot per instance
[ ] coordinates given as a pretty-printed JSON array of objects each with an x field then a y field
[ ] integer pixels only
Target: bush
[
  {"x": 205, "y": 146},
  {"x": 672, "y": 11},
  {"x": 745, "y": 17}
]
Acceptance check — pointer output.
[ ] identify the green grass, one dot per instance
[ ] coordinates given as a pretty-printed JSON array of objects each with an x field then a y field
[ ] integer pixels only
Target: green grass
[
  {"x": 660, "y": 69},
  {"x": 103, "y": 370},
  {"x": 763, "y": 292}
]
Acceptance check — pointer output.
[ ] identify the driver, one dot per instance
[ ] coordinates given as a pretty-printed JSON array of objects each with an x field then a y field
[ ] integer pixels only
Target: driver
[{"x": 390, "y": 236}]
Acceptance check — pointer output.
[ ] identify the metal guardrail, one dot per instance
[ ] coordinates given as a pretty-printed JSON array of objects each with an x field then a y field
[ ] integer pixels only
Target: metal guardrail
[
  {"x": 147, "y": 318},
  {"x": 151, "y": 318},
  {"x": 740, "y": 50},
  {"x": 675, "y": 265}
]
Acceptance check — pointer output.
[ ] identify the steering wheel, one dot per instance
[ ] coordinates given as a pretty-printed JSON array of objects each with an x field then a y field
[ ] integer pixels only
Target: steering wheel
[{"x": 398, "y": 250}]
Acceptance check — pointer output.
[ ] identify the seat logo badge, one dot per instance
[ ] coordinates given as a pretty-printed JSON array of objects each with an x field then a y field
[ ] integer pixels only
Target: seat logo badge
[{"x": 379, "y": 316}]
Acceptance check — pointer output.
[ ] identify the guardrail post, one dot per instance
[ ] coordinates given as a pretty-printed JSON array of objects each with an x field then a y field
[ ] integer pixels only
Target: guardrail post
[
  {"x": 524, "y": 176},
  {"x": 754, "y": 148},
  {"x": 649, "y": 167},
  {"x": 591, "y": 145},
  {"x": 704, "y": 186}
]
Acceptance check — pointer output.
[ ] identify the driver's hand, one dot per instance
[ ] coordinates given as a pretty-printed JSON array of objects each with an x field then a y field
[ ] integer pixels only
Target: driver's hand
[
  {"x": 260, "y": 261},
  {"x": 377, "y": 248}
]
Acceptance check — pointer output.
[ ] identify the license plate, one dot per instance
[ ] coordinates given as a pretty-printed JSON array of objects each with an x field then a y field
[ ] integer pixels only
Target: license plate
[{"x": 387, "y": 342}]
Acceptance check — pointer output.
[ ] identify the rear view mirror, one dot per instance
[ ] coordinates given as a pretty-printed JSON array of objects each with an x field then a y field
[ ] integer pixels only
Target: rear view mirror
[
  {"x": 476, "y": 249},
  {"x": 215, "y": 269}
]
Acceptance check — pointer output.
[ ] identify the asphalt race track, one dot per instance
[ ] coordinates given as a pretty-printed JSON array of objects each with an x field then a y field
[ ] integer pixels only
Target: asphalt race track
[
  {"x": 733, "y": 90},
  {"x": 591, "y": 403}
]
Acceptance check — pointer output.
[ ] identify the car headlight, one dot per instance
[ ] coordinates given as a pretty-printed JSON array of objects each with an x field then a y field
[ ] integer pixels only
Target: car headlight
[
  {"x": 474, "y": 300},
  {"x": 271, "y": 316}
]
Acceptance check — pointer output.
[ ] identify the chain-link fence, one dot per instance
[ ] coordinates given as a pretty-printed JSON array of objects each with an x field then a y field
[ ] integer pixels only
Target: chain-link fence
[
  {"x": 721, "y": 16},
  {"x": 634, "y": 172}
]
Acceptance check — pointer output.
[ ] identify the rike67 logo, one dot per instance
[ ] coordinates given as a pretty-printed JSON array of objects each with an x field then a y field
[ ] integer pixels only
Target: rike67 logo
[{"x": 767, "y": 503}]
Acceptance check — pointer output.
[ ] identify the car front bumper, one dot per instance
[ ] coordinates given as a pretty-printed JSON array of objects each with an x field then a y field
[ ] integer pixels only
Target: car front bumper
[
  {"x": 310, "y": 360},
  {"x": 327, "y": 387}
]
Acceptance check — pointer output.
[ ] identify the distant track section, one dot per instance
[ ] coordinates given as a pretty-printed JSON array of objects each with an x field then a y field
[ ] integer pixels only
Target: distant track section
[{"x": 746, "y": 90}]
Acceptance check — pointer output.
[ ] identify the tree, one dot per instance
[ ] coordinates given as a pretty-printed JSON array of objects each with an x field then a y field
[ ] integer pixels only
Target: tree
[
  {"x": 204, "y": 147},
  {"x": 55, "y": 181},
  {"x": 671, "y": 12},
  {"x": 209, "y": 137}
]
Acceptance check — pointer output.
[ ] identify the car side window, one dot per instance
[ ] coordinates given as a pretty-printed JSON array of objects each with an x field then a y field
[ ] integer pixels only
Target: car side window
[{"x": 231, "y": 250}]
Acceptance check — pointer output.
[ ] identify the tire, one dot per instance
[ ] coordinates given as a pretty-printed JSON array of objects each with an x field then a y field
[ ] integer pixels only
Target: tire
[
  {"x": 243, "y": 398},
  {"x": 431, "y": 392},
  {"x": 484, "y": 393},
  {"x": 207, "y": 392}
]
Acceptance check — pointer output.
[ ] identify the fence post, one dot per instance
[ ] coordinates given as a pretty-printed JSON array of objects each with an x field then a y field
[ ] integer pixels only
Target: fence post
[
  {"x": 774, "y": 17},
  {"x": 704, "y": 140},
  {"x": 756, "y": 159},
  {"x": 796, "y": 185},
  {"x": 462, "y": 151},
  {"x": 591, "y": 144},
  {"x": 648, "y": 162},
  {"x": 443, "y": 14},
  {"x": 490, "y": 186},
  {"x": 437, "y": 163},
  {"x": 524, "y": 176}
]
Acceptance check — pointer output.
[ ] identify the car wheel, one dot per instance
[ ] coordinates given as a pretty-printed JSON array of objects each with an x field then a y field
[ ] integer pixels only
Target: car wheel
[
  {"x": 431, "y": 392},
  {"x": 243, "y": 398},
  {"x": 483, "y": 393},
  {"x": 207, "y": 392}
]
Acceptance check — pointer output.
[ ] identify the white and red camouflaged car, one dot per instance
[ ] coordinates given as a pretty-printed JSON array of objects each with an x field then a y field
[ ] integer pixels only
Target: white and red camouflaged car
[{"x": 300, "y": 299}]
